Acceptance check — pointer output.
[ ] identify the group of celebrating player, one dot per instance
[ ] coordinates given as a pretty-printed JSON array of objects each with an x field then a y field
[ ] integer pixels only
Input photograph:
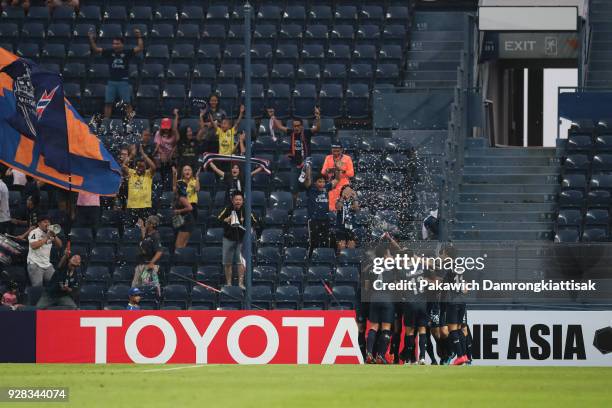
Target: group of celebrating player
[{"x": 419, "y": 315}]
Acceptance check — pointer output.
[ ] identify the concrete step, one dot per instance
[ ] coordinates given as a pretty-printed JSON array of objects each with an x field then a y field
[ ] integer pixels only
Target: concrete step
[
  {"x": 508, "y": 235},
  {"x": 434, "y": 55},
  {"x": 414, "y": 75},
  {"x": 422, "y": 45},
  {"x": 432, "y": 35},
  {"x": 511, "y": 161},
  {"x": 505, "y": 226},
  {"x": 504, "y": 216},
  {"x": 512, "y": 152},
  {"x": 509, "y": 169},
  {"x": 432, "y": 65},
  {"x": 507, "y": 198},
  {"x": 510, "y": 179},
  {"x": 510, "y": 188},
  {"x": 500, "y": 207}
]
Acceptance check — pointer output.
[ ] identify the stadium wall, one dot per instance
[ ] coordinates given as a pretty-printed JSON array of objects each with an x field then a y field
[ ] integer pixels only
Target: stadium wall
[{"x": 553, "y": 338}]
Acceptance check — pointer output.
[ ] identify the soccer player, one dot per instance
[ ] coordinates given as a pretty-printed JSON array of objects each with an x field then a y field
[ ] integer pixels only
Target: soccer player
[
  {"x": 415, "y": 317},
  {"x": 381, "y": 313},
  {"x": 455, "y": 313}
]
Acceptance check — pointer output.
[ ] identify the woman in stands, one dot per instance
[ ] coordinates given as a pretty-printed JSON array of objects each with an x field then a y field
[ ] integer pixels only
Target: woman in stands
[
  {"x": 217, "y": 114},
  {"x": 193, "y": 186},
  {"x": 182, "y": 221},
  {"x": 166, "y": 140},
  {"x": 233, "y": 180}
]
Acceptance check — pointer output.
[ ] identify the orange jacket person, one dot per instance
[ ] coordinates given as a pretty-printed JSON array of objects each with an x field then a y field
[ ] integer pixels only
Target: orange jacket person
[{"x": 339, "y": 166}]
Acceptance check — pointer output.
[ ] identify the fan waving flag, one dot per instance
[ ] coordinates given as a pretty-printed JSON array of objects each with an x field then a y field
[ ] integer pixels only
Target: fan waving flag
[{"x": 41, "y": 134}]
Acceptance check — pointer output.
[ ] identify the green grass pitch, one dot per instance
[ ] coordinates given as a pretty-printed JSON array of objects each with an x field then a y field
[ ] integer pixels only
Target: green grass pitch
[{"x": 314, "y": 386}]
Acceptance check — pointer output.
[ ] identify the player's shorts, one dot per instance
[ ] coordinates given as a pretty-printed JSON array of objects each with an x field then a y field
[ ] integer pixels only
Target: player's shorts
[
  {"x": 415, "y": 314},
  {"x": 433, "y": 311},
  {"x": 442, "y": 306},
  {"x": 381, "y": 312},
  {"x": 455, "y": 313}
]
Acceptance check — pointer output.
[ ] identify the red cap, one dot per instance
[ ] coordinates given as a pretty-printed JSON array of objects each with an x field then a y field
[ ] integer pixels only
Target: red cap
[{"x": 166, "y": 123}]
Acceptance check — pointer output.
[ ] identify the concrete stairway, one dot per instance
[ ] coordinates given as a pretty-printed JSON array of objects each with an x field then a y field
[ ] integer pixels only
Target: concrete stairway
[
  {"x": 506, "y": 194},
  {"x": 599, "y": 73}
]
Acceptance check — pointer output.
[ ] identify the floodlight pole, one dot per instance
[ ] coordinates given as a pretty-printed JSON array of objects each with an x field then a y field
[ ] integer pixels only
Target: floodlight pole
[{"x": 248, "y": 245}]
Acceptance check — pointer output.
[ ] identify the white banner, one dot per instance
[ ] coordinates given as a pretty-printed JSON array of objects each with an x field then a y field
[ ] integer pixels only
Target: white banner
[{"x": 541, "y": 338}]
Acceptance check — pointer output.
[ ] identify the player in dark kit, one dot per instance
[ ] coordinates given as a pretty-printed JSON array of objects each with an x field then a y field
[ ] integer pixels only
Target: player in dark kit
[
  {"x": 415, "y": 316},
  {"x": 381, "y": 312},
  {"x": 455, "y": 313}
]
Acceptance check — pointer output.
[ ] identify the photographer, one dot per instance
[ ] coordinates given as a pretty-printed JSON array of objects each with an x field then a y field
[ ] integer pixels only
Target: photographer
[
  {"x": 64, "y": 284},
  {"x": 146, "y": 273},
  {"x": 39, "y": 255}
]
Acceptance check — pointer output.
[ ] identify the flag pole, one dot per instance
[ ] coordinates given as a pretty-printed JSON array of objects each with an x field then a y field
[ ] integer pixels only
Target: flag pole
[{"x": 247, "y": 188}]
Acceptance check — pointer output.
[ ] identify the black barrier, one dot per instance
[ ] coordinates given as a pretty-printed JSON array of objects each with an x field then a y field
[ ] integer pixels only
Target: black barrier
[{"x": 18, "y": 340}]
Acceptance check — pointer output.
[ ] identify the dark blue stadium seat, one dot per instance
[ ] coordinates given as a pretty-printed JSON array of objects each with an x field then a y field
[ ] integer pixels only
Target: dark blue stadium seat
[
  {"x": 315, "y": 295},
  {"x": 576, "y": 162},
  {"x": 600, "y": 181},
  {"x": 281, "y": 199},
  {"x": 320, "y": 13},
  {"x": 28, "y": 50},
  {"x": 347, "y": 275},
  {"x": 97, "y": 274},
  {"x": 218, "y": 13},
  {"x": 202, "y": 296},
  {"x": 323, "y": 256},
  {"x": 295, "y": 256},
  {"x": 262, "y": 296},
  {"x": 577, "y": 181},
  {"x": 110, "y": 31},
  {"x": 107, "y": 236},
  {"x": 268, "y": 256},
  {"x": 368, "y": 35},
  {"x": 579, "y": 143},
  {"x": 129, "y": 254},
  {"x": 294, "y": 12},
  {"x": 371, "y": 12},
  {"x": 297, "y": 236},
  {"x": 235, "y": 32},
  {"x": 598, "y": 198},
  {"x": 595, "y": 234},
  {"x": 345, "y": 13},
  {"x": 304, "y": 100},
  {"x": 602, "y": 162},
  {"x": 175, "y": 295},
  {"x": 118, "y": 294},
  {"x": 231, "y": 294},
  {"x": 569, "y": 217},
  {"x": 272, "y": 13},
  {"x": 597, "y": 216},
  {"x": 185, "y": 256},
  {"x": 89, "y": 13},
  {"x": 173, "y": 96},
  {"x": 330, "y": 100},
  {"x": 192, "y": 13},
  {"x": 210, "y": 255},
  {"x": 291, "y": 275},
  {"x": 603, "y": 143},
  {"x": 357, "y": 101},
  {"x": 286, "y": 295},
  {"x": 272, "y": 236},
  {"x": 210, "y": 274},
  {"x": 166, "y": 13},
  {"x": 290, "y": 32},
  {"x": 92, "y": 293},
  {"x": 335, "y": 73},
  {"x": 316, "y": 273},
  {"x": 571, "y": 198},
  {"x": 147, "y": 100},
  {"x": 264, "y": 275},
  {"x": 345, "y": 293},
  {"x": 102, "y": 255},
  {"x": 123, "y": 274}
]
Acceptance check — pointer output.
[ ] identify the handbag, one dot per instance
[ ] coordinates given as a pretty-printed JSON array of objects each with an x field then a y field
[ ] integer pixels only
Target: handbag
[{"x": 177, "y": 221}]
